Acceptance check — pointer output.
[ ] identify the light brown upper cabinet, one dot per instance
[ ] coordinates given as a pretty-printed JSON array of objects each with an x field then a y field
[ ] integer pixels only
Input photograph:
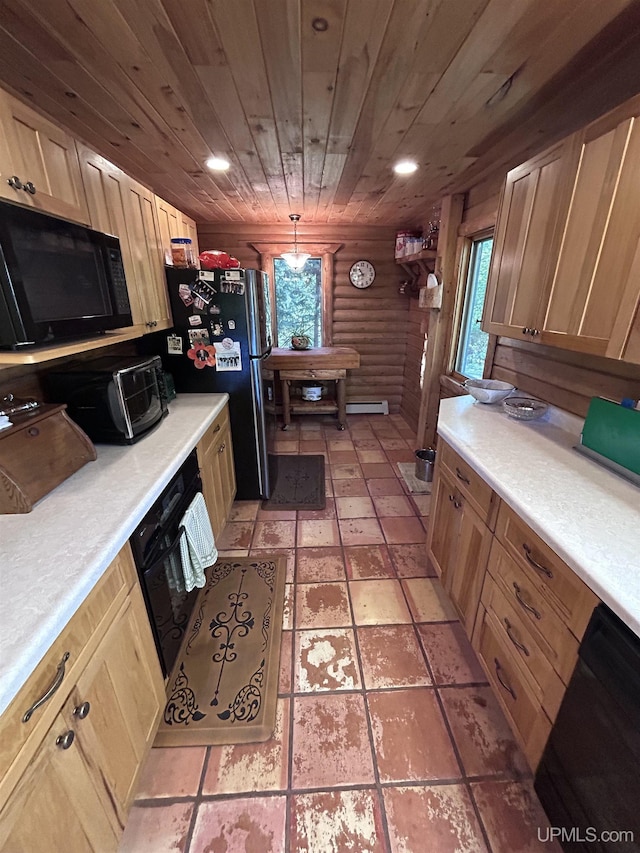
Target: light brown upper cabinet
[
  {"x": 596, "y": 283},
  {"x": 38, "y": 163},
  {"x": 566, "y": 269},
  {"x": 534, "y": 199},
  {"x": 172, "y": 223},
  {"x": 120, "y": 206}
]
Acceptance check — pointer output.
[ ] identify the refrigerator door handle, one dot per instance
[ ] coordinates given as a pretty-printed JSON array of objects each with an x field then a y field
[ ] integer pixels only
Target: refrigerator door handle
[{"x": 260, "y": 428}]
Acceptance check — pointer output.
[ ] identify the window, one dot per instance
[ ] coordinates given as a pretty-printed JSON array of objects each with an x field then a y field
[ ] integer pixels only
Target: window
[
  {"x": 298, "y": 301},
  {"x": 472, "y": 341}
]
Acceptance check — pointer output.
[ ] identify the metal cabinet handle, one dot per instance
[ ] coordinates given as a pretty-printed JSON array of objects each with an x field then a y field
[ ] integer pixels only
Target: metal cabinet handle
[
  {"x": 456, "y": 503},
  {"x": 15, "y": 182},
  {"x": 57, "y": 681},
  {"x": 222, "y": 447},
  {"x": 526, "y": 330},
  {"x": 523, "y": 603},
  {"x": 81, "y": 711},
  {"x": 29, "y": 188},
  {"x": 515, "y": 642},
  {"x": 64, "y": 741},
  {"x": 462, "y": 477},
  {"x": 534, "y": 332},
  {"x": 507, "y": 687},
  {"x": 531, "y": 561},
  {"x": 217, "y": 428}
]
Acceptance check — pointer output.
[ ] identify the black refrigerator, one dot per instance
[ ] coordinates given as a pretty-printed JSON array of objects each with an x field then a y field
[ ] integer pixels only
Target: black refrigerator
[{"x": 221, "y": 334}]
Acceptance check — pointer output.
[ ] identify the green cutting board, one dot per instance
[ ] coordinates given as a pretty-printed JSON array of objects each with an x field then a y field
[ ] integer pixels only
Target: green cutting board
[{"x": 613, "y": 431}]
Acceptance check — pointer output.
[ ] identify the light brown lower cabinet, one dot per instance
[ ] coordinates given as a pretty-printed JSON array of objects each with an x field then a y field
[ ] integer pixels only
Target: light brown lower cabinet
[
  {"x": 522, "y": 607},
  {"x": 215, "y": 457},
  {"x": 69, "y": 787},
  {"x": 458, "y": 543}
]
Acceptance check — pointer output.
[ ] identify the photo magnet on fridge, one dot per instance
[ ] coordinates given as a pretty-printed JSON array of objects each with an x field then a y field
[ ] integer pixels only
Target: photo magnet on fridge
[
  {"x": 228, "y": 355},
  {"x": 199, "y": 337},
  {"x": 184, "y": 292},
  {"x": 195, "y": 320},
  {"x": 174, "y": 345},
  {"x": 217, "y": 329}
]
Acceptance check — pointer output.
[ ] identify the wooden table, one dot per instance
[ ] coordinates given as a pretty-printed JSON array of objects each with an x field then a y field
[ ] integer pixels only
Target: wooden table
[{"x": 320, "y": 363}]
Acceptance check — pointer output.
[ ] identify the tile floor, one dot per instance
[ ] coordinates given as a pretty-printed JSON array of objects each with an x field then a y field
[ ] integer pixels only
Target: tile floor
[{"x": 388, "y": 738}]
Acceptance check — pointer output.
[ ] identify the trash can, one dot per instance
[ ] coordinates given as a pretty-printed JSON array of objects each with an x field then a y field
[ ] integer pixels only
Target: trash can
[{"x": 425, "y": 460}]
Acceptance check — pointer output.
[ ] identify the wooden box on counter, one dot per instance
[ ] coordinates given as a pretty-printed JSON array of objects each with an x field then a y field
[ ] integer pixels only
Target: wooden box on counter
[{"x": 41, "y": 449}]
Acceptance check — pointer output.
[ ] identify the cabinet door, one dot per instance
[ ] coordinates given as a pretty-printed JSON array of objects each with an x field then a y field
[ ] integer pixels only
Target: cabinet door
[
  {"x": 142, "y": 225},
  {"x": 107, "y": 190},
  {"x": 227, "y": 472},
  {"x": 42, "y": 156},
  {"x": 595, "y": 286},
  {"x": 468, "y": 569},
  {"x": 444, "y": 526},
  {"x": 188, "y": 229},
  {"x": 533, "y": 202},
  {"x": 122, "y": 690},
  {"x": 56, "y": 806},
  {"x": 169, "y": 226},
  {"x": 215, "y": 457}
]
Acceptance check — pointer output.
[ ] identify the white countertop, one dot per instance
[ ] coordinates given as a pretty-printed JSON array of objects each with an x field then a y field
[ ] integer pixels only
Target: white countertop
[
  {"x": 52, "y": 557},
  {"x": 586, "y": 513}
]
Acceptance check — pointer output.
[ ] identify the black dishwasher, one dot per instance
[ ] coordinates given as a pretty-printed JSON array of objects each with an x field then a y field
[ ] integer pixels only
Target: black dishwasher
[
  {"x": 156, "y": 551},
  {"x": 589, "y": 777}
]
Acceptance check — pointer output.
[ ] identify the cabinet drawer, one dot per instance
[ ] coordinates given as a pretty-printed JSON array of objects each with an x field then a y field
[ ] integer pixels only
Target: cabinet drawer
[
  {"x": 79, "y": 638},
  {"x": 479, "y": 494},
  {"x": 515, "y": 633},
  {"x": 515, "y": 694},
  {"x": 313, "y": 374},
  {"x": 542, "y": 621},
  {"x": 218, "y": 426},
  {"x": 559, "y": 584}
]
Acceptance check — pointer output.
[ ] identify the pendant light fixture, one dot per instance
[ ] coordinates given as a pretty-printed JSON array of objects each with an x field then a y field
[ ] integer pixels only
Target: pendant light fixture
[{"x": 295, "y": 260}]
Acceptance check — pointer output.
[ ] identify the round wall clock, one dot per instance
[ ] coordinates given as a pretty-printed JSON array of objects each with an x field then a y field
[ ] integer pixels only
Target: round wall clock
[{"x": 362, "y": 274}]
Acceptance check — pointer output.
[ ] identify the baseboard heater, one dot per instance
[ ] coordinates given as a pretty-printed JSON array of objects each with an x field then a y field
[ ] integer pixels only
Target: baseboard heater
[{"x": 365, "y": 406}]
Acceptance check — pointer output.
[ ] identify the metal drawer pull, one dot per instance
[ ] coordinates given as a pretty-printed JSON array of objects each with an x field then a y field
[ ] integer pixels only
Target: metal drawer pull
[
  {"x": 524, "y": 604},
  {"x": 64, "y": 741},
  {"x": 82, "y": 711},
  {"x": 461, "y": 476},
  {"x": 15, "y": 182},
  {"x": 29, "y": 188},
  {"x": 456, "y": 503},
  {"x": 507, "y": 687},
  {"x": 515, "y": 642},
  {"x": 222, "y": 447},
  {"x": 57, "y": 681},
  {"x": 538, "y": 566},
  {"x": 217, "y": 428}
]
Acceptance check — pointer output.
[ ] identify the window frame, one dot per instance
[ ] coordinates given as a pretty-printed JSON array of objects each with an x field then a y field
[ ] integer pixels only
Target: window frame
[
  {"x": 325, "y": 251},
  {"x": 464, "y": 263}
]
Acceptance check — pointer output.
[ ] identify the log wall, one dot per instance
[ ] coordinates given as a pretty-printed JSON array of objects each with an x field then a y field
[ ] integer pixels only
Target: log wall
[{"x": 374, "y": 321}]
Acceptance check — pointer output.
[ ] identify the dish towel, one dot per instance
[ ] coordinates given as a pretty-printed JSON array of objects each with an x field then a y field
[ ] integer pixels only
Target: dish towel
[{"x": 197, "y": 546}]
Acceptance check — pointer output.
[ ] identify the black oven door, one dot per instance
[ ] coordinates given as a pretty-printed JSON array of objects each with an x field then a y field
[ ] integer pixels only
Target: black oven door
[{"x": 168, "y": 603}]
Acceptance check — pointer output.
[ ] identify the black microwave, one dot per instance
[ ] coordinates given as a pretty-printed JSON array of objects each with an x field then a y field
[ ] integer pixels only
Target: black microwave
[
  {"x": 58, "y": 280},
  {"x": 114, "y": 399}
]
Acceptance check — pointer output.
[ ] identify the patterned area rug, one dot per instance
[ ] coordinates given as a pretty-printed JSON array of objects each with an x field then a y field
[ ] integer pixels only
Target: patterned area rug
[
  {"x": 297, "y": 482},
  {"x": 224, "y": 685},
  {"x": 416, "y": 486}
]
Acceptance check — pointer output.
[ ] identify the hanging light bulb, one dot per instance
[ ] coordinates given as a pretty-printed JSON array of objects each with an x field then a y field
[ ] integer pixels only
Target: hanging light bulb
[{"x": 295, "y": 260}]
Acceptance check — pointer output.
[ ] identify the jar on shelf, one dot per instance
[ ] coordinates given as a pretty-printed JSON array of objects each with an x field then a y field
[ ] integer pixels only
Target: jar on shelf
[{"x": 182, "y": 252}]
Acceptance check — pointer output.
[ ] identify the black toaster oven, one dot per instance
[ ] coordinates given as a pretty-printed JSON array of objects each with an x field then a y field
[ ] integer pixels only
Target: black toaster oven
[{"x": 114, "y": 399}]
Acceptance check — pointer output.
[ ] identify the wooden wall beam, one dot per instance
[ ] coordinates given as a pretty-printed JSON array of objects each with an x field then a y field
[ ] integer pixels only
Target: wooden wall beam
[{"x": 439, "y": 320}]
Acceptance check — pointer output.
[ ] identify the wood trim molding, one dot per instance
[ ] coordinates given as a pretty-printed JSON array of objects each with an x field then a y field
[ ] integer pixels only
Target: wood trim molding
[
  {"x": 446, "y": 267},
  {"x": 325, "y": 251}
]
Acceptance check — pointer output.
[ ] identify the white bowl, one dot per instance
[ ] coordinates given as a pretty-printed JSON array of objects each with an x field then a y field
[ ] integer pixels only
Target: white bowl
[{"x": 488, "y": 390}]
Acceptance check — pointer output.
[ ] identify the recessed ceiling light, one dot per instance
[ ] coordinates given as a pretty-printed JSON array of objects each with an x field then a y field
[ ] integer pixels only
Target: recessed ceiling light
[
  {"x": 405, "y": 167},
  {"x": 218, "y": 164}
]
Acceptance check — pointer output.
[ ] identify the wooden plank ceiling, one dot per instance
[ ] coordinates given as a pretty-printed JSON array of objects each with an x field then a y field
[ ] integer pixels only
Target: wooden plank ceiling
[{"x": 312, "y": 101}]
